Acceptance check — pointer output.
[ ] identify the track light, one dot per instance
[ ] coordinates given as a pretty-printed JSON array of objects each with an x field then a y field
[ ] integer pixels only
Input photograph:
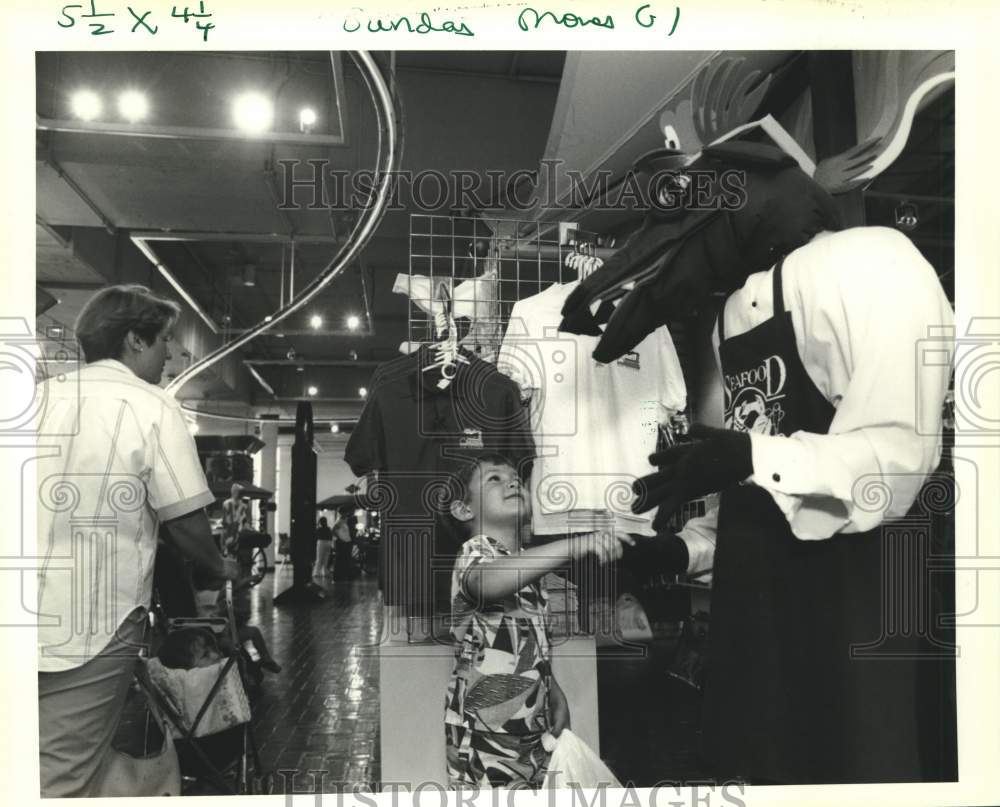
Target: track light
[
  {"x": 907, "y": 217},
  {"x": 253, "y": 113},
  {"x": 307, "y": 120},
  {"x": 86, "y": 104},
  {"x": 133, "y": 106}
]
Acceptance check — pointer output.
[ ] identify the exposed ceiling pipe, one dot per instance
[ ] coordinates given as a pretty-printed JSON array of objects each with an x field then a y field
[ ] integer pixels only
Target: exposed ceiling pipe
[
  {"x": 176, "y": 285},
  {"x": 311, "y": 363},
  {"x": 260, "y": 379},
  {"x": 388, "y": 151},
  {"x": 281, "y": 302}
]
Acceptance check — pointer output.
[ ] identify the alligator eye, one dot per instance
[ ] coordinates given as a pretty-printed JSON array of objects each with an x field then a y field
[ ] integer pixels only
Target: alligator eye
[{"x": 671, "y": 188}]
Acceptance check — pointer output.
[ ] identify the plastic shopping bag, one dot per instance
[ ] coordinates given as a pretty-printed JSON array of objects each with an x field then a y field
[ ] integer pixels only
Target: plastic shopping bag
[{"x": 573, "y": 762}]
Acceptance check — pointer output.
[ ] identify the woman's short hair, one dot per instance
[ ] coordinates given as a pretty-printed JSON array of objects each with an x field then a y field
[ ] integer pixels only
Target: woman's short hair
[{"x": 109, "y": 315}]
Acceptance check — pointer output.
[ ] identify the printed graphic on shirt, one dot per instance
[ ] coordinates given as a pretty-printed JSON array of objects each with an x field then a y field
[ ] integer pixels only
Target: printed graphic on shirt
[{"x": 753, "y": 397}]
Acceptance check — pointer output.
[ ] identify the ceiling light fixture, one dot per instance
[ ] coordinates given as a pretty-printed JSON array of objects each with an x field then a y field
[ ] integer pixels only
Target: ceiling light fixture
[
  {"x": 268, "y": 318},
  {"x": 253, "y": 113},
  {"x": 307, "y": 119},
  {"x": 316, "y": 321},
  {"x": 363, "y": 392},
  {"x": 133, "y": 106},
  {"x": 249, "y": 275},
  {"x": 86, "y": 104},
  {"x": 334, "y": 428},
  {"x": 353, "y": 322},
  {"x": 312, "y": 391}
]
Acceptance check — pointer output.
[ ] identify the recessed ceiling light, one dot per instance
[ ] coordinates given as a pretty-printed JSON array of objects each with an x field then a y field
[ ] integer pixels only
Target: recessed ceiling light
[
  {"x": 353, "y": 322},
  {"x": 312, "y": 391},
  {"x": 363, "y": 392},
  {"x": 316, "y": 321},
  {"x": 253, "y": 113},
  {"x": 133, "y": 106},
  {"x": 334, "y": 428},
  {"x": 86, "y": 104}
]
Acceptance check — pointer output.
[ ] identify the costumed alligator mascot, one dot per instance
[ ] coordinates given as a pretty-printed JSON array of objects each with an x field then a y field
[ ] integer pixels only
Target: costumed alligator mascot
[{"x": 815, "y": 674}]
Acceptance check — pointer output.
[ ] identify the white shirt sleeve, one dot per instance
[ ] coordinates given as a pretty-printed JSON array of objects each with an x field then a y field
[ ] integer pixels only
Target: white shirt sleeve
[
  {"x": 699, "y": 535},
  {"x": 176, "y": 484},
  {"x": 869, "y": 303},
  {"x": 670, "y": 378}
]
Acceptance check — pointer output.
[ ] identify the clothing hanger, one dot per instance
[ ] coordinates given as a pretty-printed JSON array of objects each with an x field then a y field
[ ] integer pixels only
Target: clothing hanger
[
  {"x": 446, "y": 354},
  {"x": 583, "y": 260}
]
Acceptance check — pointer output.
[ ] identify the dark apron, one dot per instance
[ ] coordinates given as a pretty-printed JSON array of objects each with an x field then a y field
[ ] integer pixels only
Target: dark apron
[{"x": 785, "y": 702}]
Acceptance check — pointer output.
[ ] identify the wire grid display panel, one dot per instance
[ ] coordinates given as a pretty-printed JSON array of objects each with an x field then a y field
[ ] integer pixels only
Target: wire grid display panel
[{"x": 489, "y": 264}]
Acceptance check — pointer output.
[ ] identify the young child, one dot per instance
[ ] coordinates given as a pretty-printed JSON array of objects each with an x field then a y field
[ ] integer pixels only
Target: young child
[
  {"x": 189, "y": 648},
  {"x": 502, "y": 698}
]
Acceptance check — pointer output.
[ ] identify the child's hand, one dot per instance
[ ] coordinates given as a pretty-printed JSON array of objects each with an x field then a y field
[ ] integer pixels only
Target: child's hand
[
  {"x": 602, "y": 544},
  {"x": 558, "y": 710}
]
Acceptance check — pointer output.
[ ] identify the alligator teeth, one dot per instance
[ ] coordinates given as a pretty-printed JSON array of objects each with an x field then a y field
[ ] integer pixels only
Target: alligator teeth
[
  {"x": 617, "y": 301},
  {"x": 629, "y": 286},
  {"x": 595, "y": 305}
]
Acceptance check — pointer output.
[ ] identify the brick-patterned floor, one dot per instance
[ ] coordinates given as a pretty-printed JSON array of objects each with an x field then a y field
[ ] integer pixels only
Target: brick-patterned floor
[
  {"x": 317, "y": 721},
  {"x": 321, "y": 712}
]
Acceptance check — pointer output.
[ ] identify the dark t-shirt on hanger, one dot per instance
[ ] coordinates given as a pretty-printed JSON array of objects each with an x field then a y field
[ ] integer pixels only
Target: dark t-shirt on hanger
[{"x": 416, "y": 435}]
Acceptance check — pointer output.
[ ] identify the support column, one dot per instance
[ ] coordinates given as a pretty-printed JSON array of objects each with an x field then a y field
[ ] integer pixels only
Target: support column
[
  {"x": 303, "y": 528},
  {"x": 269, "y": 477}
]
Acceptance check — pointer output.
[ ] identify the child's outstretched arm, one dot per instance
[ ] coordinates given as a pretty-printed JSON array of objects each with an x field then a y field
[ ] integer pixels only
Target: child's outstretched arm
[
  {"x": 558, "y": 709},
  {"x": 501, "y": 577}
]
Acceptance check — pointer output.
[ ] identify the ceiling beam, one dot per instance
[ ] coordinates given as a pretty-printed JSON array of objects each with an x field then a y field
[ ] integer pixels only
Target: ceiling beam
[
  {"x": 196, "y": 235},
  {"x": 185, "y": 132}
]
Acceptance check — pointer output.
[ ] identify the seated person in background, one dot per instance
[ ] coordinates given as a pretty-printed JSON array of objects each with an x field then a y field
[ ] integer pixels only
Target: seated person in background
[{"x": 502, "y": 699}]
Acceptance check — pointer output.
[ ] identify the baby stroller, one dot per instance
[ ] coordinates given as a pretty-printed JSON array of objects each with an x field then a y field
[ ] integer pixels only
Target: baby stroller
[{"x": 207, "y": 711}]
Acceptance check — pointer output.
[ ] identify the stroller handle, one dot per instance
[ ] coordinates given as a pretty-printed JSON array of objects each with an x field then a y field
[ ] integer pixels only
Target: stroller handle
[{"x": 230, "y": 617}]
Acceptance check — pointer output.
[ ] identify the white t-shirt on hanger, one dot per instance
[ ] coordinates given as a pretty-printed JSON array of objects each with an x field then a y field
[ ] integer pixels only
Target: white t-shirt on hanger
[{"x": 594, "y": 424}]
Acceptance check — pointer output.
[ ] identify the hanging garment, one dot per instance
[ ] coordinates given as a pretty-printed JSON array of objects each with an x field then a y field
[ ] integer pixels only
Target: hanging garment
[
  {"x": 594, "y": 424},
  {"x": 473, "y": 299},
  {"x": 802, "y": 685},
  {"x": 417, "y": 436}
]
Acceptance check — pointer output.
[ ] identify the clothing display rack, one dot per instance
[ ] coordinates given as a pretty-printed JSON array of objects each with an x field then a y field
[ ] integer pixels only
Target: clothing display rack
[{"x": 509, "y": 259}]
